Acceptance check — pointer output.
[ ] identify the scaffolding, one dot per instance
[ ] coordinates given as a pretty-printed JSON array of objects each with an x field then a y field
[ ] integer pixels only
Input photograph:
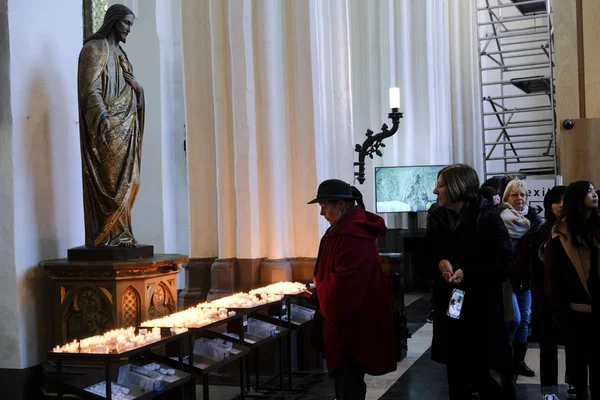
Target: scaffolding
[{"x": 516, "y": 63}]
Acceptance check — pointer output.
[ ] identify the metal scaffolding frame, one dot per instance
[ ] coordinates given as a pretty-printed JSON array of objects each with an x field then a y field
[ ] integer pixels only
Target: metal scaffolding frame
[{"x": 516, "y": 60}]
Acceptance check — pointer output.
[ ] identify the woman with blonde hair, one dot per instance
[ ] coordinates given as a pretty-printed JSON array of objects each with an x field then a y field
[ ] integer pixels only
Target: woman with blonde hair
[{"x": 522, "y": 222}]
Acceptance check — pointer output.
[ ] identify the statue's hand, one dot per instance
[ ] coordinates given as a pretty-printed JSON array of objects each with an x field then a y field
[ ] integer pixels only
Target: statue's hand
[
  {"x": 104, "y": 130},
  {"x": 130, "y": 79}
]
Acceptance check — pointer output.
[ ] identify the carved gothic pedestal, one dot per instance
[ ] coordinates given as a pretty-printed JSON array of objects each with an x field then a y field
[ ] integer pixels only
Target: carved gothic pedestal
[{"x": 92, "y": 297}]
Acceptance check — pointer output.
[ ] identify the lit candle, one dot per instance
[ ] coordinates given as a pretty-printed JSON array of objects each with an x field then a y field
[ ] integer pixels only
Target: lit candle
[{"x": 395, "y": 98}]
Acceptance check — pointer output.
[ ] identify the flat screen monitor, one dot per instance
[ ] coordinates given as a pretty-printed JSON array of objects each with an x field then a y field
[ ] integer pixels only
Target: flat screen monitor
[{"x": 405, "y": 189}]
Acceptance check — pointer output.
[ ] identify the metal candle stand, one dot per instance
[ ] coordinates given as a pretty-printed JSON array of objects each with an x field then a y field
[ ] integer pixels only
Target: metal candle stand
[
  {"x": 374, "y": 142},
  {"x": 196, "y": 367},
  {"x": 79, "y": 385}
]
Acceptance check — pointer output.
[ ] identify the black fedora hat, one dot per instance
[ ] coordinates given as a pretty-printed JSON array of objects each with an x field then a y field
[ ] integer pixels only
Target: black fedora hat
[{"x": 333, "y": 189}]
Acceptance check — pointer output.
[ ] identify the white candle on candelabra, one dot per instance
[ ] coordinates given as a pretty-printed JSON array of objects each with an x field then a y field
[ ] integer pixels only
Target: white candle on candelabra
[{"x": 395, "y": 97}]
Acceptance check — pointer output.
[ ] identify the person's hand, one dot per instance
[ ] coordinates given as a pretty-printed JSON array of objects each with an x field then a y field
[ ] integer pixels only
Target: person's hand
[
  {"x": 457, "y": 277},
  {"x": 446, "y": 269},
  {"x": 104, "y": 130},
  {"x": 130, "y": 79}
]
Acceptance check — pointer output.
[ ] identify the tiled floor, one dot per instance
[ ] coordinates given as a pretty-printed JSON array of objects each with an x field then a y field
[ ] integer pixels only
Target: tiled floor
[
  {"x": 423, "y": 379},
  {"x": 410, "y": 298},
  {"x": 417, "y": 377}
]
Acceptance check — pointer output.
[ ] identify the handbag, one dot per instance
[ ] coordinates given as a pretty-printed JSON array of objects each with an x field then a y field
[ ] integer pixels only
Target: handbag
[{"x": 507, "y": 301}]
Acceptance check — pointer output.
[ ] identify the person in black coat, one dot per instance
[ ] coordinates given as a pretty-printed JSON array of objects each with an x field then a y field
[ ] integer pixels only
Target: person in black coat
[
  {"x": 543, "y": 324},
  {"x": 469, "y": 245},
  {"x": 495, "y": 187}
]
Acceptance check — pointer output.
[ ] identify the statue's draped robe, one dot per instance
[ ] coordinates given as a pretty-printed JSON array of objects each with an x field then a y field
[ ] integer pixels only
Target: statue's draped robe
[{"x": 111, "y": 171}]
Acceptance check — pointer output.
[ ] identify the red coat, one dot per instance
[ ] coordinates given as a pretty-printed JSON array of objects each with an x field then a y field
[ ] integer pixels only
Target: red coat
[{"x": 353, "y": 295}]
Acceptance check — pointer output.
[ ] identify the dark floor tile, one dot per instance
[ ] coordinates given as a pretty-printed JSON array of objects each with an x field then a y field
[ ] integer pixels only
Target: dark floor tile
[{"x": 324, "y": 387}]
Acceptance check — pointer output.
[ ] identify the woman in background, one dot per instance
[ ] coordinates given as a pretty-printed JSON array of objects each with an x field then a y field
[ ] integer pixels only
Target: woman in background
[
  {"x": 469, "y": 245},
  {"x": 572, "y": 283},
  {"x": 495, "y": 186},
  {"x": 522, "y": 222},
  {"x": 544, "y": 328}
]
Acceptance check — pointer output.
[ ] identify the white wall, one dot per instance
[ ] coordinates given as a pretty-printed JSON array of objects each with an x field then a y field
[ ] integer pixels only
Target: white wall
[
  {"x": 46, "y": 167},
  {"x": 9, "y": 329},
  {"x": 41, "y": 204},
  {"x": 174, "y": 174}
]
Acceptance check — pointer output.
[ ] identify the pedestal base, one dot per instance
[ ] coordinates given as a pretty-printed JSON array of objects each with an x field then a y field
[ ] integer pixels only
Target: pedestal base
[
  {"x": 197, "y": 282},
  {"x": 91, "y": 298}
]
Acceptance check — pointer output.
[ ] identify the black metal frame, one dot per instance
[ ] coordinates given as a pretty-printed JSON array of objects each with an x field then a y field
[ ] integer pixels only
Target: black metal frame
[
  {"x": 189, "y": 370},
  {"x": 78, "y": 385}
]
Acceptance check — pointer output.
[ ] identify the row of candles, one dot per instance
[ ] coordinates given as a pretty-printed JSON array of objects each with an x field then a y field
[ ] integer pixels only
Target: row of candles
[
  {"x": 195, "y": 317},
  {"x": 281, "y": 288},
  {"x": 246, "y": 300},
  {"x": 120, "y": 340},
  {"x": 115, "y": 341}
]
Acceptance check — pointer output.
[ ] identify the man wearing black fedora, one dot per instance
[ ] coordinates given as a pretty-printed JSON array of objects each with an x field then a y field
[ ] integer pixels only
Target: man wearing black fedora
[{"x": 354, "y": 304}]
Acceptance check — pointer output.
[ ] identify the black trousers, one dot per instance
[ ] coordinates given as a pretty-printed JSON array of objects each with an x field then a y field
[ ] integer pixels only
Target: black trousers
[
  {"x": 548, "y": 360},
  {"x": 468, "y": 368},
  {"x": 349, "y": 381},
  {"x": 549, "y": 340},
  {"x": 584, "y": 355},
  {"x": 549, "y": 337},
  {"x": 460, "y": 376}
]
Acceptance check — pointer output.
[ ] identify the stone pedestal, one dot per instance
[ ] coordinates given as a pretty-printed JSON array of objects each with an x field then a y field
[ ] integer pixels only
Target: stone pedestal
[
  {"x": 227, "y": 276},
  {"x": 303, "y": 269},
  {"x": 92, "y": 297},
  {"x": 224, "y": 278},
  {"x": 273, "y": 271},
  {"x": 197, "y": 282}
]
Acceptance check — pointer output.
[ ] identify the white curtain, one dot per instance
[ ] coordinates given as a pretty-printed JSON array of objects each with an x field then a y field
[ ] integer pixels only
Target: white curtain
[
  {"x": 277, "y": 105},
  {"x": 278, "y": 93},
  {"x": 465, "y": 100},
  {"x": 428, "y": 49}
]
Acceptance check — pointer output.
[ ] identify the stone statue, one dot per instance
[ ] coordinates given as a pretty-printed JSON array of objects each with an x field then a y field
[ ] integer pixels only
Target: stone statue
[{"x": 111, "y": 125}]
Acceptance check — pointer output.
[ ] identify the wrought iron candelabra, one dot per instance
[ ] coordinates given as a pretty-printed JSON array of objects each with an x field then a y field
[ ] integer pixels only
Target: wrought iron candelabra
[{"x": 374, "y": 142}]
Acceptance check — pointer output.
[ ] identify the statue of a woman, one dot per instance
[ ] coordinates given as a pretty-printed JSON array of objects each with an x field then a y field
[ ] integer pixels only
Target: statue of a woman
[{"x": 111, "y": 124}]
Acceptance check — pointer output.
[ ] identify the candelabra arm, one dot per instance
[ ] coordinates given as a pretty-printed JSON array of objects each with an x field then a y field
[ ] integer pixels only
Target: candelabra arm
[{"x": 373, "y": 142}]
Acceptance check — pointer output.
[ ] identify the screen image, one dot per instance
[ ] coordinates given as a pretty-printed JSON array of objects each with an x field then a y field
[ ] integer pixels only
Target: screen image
[{"x": 405, "y": 189}]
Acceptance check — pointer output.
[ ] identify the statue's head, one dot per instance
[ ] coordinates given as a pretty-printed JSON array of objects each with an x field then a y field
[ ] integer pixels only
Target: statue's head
[{"x": 118, "y": 19}]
